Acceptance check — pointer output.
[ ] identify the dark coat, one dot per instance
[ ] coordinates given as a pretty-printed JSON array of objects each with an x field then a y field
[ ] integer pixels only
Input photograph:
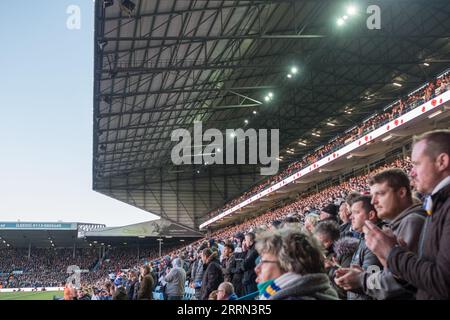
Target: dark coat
[
  {"x": 237, "y": 270},
  {"x": 212, "y": 276},
  {"x": 227, "y": 268},
  {"x": 249, "y": 265},
  {"x": 146, "y": 288},
  {"x": 130, "y": 289},
  {"x": 428, "y": 271}
]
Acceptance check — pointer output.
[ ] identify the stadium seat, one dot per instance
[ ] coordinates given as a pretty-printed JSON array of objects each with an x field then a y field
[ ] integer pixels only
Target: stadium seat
[{"x": 158, "y": 296}]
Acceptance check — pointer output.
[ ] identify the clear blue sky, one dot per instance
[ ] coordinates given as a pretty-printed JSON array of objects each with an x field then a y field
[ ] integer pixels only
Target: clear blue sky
[{"x": 46, "y": 83}]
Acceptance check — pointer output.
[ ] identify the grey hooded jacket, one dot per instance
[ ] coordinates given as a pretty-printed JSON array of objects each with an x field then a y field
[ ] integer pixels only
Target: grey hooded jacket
[{"x": 383, "y": 285}]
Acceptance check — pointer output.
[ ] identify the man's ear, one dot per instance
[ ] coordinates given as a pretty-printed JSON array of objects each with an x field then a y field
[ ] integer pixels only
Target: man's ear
[
  {"x": 373, "y": 215},
  {"x": 443, "y": 162},
  {"x": 402, "y": 192}
]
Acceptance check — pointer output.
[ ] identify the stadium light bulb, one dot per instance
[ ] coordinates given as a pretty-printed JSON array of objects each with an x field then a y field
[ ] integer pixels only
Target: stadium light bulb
[
  {"x": 397, "y": 84},
  {"x": 232, "y": 135},
  {"x": 345, "y": 17},
  {"x": 267, "y": 98},
  {"x": 289, "y": 76},
  {"x": 246, "y": 121},
  {"x": 270, "y": 95},
  {"x": 340, "y": 22},
  {"x": 351, "y": 10},
  {"x": 294, "y": 70},
  {"x": 331, "y": 124},
  {"x": 426, "y": 64},
  {"x": 254, "y": 112}
]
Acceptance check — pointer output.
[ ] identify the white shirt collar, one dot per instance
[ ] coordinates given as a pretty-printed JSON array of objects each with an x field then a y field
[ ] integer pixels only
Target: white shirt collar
[{"x": 441, "y": 185}]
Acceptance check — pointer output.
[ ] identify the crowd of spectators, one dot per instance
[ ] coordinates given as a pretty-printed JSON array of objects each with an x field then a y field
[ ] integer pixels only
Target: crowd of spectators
[
  {"x": 413, "y": 100},
  {"x": 366, "y": 239},
  {"x": 380, "y": 235}
]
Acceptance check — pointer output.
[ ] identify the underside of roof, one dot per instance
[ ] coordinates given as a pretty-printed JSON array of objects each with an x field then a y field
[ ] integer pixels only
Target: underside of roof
[{"x": 164, "y": 65}]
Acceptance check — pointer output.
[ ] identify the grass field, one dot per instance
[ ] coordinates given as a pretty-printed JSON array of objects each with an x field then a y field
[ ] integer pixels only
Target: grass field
[{"x": 30, "y": 295}]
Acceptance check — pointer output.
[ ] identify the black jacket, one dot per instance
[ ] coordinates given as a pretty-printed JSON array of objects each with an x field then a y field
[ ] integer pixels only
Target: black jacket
[
  {"x": 428, "y": 271},
  {"x": 249, "y": 265},
  {"x": 146, "y": 288},
  {"x": 236, "y": 267},
  {"x": 212, "y": 276},
  {"x": 130, "y": 289},
  {"x": 227, "y": 268}
]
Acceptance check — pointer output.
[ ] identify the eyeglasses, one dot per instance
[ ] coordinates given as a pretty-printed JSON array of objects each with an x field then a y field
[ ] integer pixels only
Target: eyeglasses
[{"x": 267, "y": 261}]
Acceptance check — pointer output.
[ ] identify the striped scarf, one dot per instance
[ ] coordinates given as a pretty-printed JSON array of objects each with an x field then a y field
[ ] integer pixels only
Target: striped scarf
[{"x": 271, "y": 287}]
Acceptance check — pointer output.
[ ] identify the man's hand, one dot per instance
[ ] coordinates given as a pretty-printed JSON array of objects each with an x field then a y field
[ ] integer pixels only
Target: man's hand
[
  {"x": 379, "y": 242},
  {"x": 349, "y": 279},
  {"x": 339, "y": 274}
]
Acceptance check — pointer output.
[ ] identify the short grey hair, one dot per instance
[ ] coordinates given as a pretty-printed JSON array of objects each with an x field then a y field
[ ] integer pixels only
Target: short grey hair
[
  {"x": 296, "y": 250},
  {"x": 177, "y": 263},
  {"x": 227, "y": 287}
]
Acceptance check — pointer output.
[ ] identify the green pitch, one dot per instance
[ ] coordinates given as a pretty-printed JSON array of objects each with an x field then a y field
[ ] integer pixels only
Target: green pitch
[{"x": 30, "y": 295}]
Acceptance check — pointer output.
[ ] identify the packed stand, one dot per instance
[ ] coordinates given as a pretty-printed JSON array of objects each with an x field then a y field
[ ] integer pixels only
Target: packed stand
[
  {"x": 402, "y": 106},
  {"x": 380, "y": 236}
]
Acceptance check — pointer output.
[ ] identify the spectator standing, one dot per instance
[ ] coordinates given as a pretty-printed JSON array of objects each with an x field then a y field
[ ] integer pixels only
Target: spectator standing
[{"x": 175, "y": 279}]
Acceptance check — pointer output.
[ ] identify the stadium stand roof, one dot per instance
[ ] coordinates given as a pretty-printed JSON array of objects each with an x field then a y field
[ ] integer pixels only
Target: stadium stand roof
[
  {"x": 66, "y": 235},
  {"x": 161, "y": 65},
  {"x": 40, "y": 234}
]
